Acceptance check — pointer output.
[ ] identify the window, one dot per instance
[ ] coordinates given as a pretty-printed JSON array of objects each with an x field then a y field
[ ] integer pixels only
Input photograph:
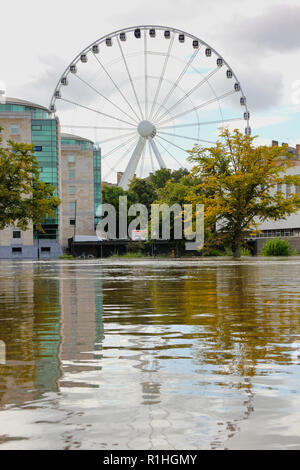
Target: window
[
  {"x": 72, "y": 189},
  {"x": 71, "y": 158},
  {"x": 288, "y": 190},
  {"x": 276, "y": 233},
  {"x": 72, "y": 221},
  {"x": 16, "y": 234},
  {"x": 16, "y": 252},
  {"x": 14, "y": 129},
  {"x": 38, "y": 148},
  {"x": 71, "y": 174},
  {"x": 45, "y": 251},
  {"x": 72, "y": 206}
]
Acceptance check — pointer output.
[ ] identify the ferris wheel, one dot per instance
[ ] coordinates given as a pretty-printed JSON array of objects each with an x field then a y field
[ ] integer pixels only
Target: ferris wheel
[{"x": 146, "y": 95}]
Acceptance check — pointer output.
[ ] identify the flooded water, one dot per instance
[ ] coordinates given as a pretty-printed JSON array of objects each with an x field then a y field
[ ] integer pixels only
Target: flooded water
[{"x": 150, "y": 355}]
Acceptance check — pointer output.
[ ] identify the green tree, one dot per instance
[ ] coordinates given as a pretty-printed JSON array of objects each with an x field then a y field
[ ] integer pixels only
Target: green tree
[
  {"x": 177, "y": 175},
  {"x": 239, "y": 186},
  {"x": 175, "y": 191},
  {"x": 111, "y": 195},
  {"x": 144, "y": 191},
  {"x": 24, "y": 199},
  {"x": 160, "y": 177}
]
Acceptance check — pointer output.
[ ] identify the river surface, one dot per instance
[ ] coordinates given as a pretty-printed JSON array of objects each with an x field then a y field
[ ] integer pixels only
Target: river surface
[{"x": 150, "y": 355}]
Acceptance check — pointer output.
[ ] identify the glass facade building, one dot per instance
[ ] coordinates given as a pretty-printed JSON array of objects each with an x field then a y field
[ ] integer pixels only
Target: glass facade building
[
  {"x": 44, "y": 138},
  {"x": 97, "y": 184},
  {"x": 36, "y": 112},
  {"x": 69, "y": 163},
  {"x": 78, "y": 143}
]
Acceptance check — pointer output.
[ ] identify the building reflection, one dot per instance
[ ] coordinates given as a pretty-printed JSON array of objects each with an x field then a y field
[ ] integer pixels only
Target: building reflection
[
  {"x": 82, "y": 323},
  {"x": 81, "y": 307},
  {"x": 237, "y": 320},
  {"x": 17, "y": 331},
  {"x": 49, "y": 317},
  {"x": 200, "y": 334}
]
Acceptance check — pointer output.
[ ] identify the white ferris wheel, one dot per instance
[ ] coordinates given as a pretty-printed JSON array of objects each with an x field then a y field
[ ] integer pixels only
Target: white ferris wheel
[{"x": 146, "y": 95}]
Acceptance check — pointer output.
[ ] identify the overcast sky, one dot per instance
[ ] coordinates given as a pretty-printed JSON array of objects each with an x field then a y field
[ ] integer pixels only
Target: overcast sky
[{"x": 260, "y": 39}]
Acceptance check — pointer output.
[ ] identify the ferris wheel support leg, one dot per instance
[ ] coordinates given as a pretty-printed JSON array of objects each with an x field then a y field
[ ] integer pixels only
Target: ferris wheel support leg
[
  {"x": 133, "y": 163},
  {"x": 157, "y": 153}
]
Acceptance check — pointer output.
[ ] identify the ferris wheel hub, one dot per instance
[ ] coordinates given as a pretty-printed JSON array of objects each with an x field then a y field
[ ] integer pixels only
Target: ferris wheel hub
[{"x": 146, "y": 129}]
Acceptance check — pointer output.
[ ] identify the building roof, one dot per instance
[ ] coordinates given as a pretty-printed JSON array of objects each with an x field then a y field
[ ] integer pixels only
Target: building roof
[
  {"x": 86, "y": 238},
  {"x": 65, "y": 136},
  {"x": 9, "y": 100}
]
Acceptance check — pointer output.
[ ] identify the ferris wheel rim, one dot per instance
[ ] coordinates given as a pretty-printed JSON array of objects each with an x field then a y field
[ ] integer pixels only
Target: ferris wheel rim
[
  {"x": 154, "y": 113},
  {"x": 144, "y": 27}
]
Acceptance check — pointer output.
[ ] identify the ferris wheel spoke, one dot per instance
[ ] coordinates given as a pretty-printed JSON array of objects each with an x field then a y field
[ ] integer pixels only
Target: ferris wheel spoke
[
  {"x": 167, "y": 97},
  {"x": 169, "y": 142},
  {"x": 151, "y": 156},
  {"x": 118, "y": 147},
  {"x": 96, "y": 111},
  {"x": 133, "y": 163},
  {"x": 164, "y": 107},
  {"x": 119, "y": 160},
  {"x": 202, "y": 123},
  {"x": 195, "y": 108},
  {"x": 146, "y": 74},
  {"x": 117, "y": 87},
  {"x": 190, "y": 92},
  {"x": 188, "y": 138},
  {"x": 162, "y": 75},
  {"x": 98, "y": 127},
  {"x": 142, "y": 161},
  {"x": 166, "y": 150},
  {"x": 176, "y": 83},
  {"x": 104, "y": 97},
  {"x": 157, "y": 153},
  {"x": 117, "y": 137},
  {"x": 130, "y": 78}
]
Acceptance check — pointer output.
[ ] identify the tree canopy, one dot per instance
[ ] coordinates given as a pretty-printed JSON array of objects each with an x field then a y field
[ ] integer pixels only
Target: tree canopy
[
  {"x": 144, "y": 191},
  {"x": 160, "y": 177},
  {"x": 239, "y": 186},
  {"x": 238, "y": 183},
  {"x": 111, "y": 194},
  {"x": 24, "y": 198}
]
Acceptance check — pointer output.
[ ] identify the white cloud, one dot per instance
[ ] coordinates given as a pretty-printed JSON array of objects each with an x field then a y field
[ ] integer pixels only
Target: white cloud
[
  {"x": 261, "y": 44},
  {"x": 275, "y": 30},
  {"x": 258, "y": 122}
]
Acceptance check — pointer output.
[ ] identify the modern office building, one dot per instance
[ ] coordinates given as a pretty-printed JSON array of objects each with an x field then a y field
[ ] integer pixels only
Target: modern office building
[
  {"x": 23, "y": 121},
  {"x": 81, "y": 187},
  {"x": 69, "y": 163},
  {"x": 97, "y": 183},
  {"x": 288, "y": 228}
]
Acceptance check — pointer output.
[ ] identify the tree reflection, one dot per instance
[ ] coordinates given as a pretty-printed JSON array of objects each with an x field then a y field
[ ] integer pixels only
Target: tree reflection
[{"x": 208, "y": 329}]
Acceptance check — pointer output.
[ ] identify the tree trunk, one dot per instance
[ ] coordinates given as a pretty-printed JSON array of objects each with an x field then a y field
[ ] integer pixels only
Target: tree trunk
[
  {"x": 236, "y": 249},
  {"x": 237, "y": 252}
]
